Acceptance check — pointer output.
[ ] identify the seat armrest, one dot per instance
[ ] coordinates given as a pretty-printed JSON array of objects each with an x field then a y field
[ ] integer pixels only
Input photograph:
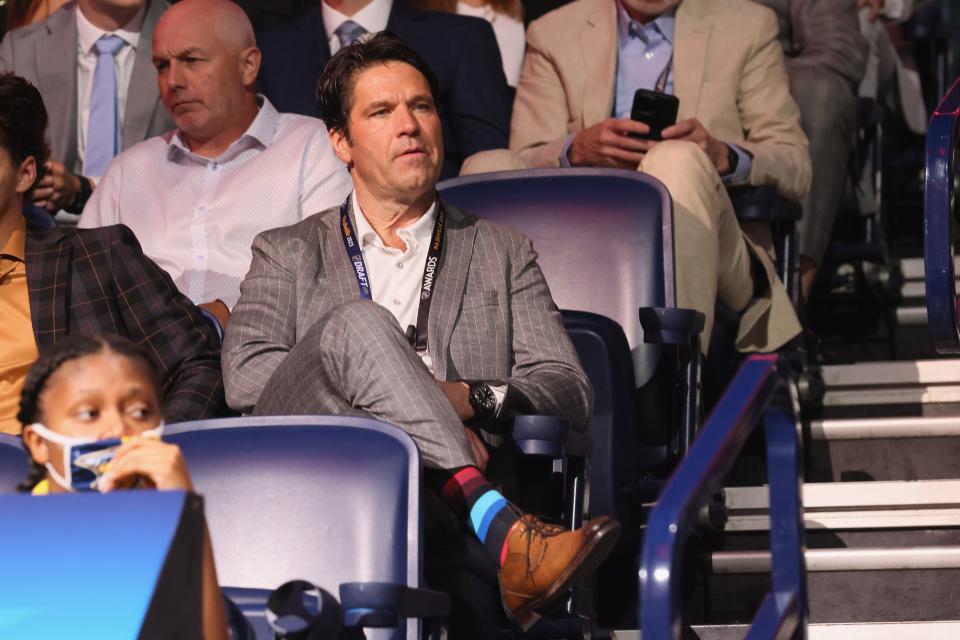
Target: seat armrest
[
  {"x": 541, "y": 435},
  {"x": 385, "y": 604},
  {"x": 762, "y": 203},
  {"x": 670, "y": 326}
]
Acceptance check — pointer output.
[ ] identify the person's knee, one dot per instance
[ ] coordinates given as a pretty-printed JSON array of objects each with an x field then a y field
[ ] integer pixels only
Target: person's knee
[
  {"x": 677, "y": 157},
  {"x": 827, "y": 101},
  {"x": 360, "y": 314}
]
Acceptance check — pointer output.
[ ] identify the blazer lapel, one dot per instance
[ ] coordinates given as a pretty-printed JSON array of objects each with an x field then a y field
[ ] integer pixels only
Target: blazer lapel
[
  {"x": 448, "y": 292},
  {"x": 142, "y": 95},
  {"x": 48, "y": 285},
  {"x": 690, "y": 55},
  {"x": 56, "y": 57},
  {"x": 598, "y": 47}
]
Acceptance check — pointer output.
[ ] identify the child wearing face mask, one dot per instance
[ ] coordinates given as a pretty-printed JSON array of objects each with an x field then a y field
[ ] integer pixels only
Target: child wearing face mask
[{"x": 92, "y": 396}]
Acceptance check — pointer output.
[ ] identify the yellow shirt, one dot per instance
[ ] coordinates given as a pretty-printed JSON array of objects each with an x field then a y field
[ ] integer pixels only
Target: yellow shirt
[
  {"x": 18, "y": 347},
  {"x": 42, "y": 488}
]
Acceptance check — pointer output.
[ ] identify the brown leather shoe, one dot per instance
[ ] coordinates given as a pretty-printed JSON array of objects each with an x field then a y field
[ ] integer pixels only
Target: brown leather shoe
[{"x": 544, "y": 560}]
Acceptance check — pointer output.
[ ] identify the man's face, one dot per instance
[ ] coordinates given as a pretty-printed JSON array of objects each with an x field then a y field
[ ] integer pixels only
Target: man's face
[
  {"x": 202, "y": 83},
  {"x": 650, "y": 7},
  {"x": 395, "y": 144}
]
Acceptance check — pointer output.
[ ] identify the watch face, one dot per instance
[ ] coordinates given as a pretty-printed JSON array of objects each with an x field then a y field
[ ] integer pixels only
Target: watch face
[{"x": 482, "y": 400}]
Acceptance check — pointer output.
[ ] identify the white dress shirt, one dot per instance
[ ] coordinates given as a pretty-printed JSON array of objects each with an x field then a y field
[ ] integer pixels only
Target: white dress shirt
[
  {"x": 196, "y": 217},
  {"x": 396, "y": 276},
  {"x": 87, "y": 36},
  {"x": 510, "y": 37},
  {"x": 372, "y": 17}
]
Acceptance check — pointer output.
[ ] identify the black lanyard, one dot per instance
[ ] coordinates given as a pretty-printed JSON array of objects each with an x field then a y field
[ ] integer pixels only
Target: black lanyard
[{"x": 417, "y": 335}]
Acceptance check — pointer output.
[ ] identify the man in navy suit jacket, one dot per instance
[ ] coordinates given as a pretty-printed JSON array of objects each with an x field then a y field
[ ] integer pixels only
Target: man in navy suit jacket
[{"x": 476, "y": 101}]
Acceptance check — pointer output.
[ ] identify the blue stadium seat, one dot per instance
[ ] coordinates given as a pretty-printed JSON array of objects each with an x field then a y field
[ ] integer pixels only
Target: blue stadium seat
[
  {"x": 331, "y": 500},
  {"x": 14, "y": 463},
  {"x": 605, "y": 244}
]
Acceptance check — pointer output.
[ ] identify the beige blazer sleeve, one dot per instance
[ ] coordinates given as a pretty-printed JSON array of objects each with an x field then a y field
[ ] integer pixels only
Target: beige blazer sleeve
[
  {"x": 541, "y": 117},
  {"x": 769, "y": 117}
]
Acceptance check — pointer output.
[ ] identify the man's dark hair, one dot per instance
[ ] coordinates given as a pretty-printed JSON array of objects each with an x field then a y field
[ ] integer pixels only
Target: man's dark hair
[
  {"x": 335, "y": 87},
  {"x": 23, "y": 121}
]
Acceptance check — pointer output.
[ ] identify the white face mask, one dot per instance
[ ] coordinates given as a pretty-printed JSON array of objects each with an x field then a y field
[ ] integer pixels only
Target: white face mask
[{"x": 85, "y": 460}]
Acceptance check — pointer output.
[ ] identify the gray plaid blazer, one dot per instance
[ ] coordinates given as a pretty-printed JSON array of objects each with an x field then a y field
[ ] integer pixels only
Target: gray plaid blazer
[{"x": 492, "y": 316}]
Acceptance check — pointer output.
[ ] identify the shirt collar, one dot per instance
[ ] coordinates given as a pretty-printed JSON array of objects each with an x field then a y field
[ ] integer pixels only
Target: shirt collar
[
  {"x": 16, "y": 245},
  {"x": 415, "y": 235},
  {"x": 88, "y": 34},
  {"x": 372, "y": 17},
  {"x": 260, "y": 133},
  {"x": 665, "y": 23}
]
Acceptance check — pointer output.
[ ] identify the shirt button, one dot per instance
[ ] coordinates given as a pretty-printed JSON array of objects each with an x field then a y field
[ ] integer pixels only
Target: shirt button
[
  {"x": 397, "y": 302},
  {"x": 198, "y": 259},
  {"x": 214, "y": 166},
  {"x": 399, "y": 265},
  {"x": 649, "y": 55},
  {"x": 201, "y": 209}
]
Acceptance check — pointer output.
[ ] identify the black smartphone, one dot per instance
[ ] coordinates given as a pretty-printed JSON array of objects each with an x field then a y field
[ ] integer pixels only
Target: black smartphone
[{"x": 655, "y": 109}]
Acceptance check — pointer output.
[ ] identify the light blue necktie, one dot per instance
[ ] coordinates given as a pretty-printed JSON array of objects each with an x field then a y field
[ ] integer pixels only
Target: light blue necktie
[
  {"x": 349, "y": 32},
  {"x": 103, "y": 126}
]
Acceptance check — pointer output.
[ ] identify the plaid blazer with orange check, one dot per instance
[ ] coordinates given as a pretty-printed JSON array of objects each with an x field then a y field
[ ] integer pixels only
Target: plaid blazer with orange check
[{"x": 99, "y": 281}]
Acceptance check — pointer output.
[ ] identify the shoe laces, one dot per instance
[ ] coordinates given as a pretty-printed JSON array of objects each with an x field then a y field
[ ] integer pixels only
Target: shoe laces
[{"x": 536, "y": 529}]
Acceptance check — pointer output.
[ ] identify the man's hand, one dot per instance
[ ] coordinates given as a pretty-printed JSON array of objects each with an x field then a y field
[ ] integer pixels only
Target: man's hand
[
  {"x": 458, "y": 393},
  {"x": 57, "y": 189},
  {"x": 692, "y": 130},
  {"x": 159, "y": 464},
  {"x": 876, "y": 6},
  {"x": 219, "y": 311},
  {"x": 609, "y": 144}
]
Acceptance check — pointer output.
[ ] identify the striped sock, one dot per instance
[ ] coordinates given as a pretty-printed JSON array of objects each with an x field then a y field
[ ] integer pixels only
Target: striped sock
[{"x": 490, "y": 515}]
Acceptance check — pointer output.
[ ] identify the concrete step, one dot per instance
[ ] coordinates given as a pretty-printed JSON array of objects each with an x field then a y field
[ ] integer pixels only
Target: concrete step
[
  {"x": 836, "y": 596},
  {"x": 865, "y": 631},
  {"x": 853, "y": 505},
  {"x": 892, "y": 383},
  {"x": 860, "y": 559},
  {"x": 888, "y": 459},
  {"x": 892, "y": 427}
]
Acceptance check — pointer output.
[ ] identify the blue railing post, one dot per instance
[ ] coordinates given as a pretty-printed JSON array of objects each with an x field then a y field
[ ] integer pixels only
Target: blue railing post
[
  {"x": 784, "y": 476},
  {"x": 783, "y": 613},
  {"x": 938, "y": 200}
]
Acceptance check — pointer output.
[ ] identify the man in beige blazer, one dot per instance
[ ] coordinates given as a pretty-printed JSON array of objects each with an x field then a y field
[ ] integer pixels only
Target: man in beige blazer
[{"x": 735, "y": 109}]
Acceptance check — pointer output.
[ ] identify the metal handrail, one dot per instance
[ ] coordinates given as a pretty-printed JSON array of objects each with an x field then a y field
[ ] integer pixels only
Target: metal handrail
[
  {"x": 759, "y": 390},
  {"x": 939, "y": 200}
]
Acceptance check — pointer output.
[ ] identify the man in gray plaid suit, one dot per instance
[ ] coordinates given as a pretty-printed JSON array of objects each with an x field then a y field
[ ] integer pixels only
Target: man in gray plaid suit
[{"x": 320, "y": 325}]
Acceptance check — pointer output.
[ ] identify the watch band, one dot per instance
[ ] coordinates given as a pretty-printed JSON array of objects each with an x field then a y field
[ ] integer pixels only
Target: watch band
[
  {"x": 733, "y": 159},
  {"x": 83, "y": 194}
]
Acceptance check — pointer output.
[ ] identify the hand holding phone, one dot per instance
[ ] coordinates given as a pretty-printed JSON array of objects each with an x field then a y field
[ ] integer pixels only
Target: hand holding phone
[{"x": 657, "y": 110}]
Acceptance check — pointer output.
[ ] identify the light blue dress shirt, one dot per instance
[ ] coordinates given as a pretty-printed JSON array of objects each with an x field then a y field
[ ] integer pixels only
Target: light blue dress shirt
[{"x": 643, "y": 53}]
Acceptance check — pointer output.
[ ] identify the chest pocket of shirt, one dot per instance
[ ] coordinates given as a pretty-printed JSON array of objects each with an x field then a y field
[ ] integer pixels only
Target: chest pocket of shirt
[{"x": 479, "y": 344}]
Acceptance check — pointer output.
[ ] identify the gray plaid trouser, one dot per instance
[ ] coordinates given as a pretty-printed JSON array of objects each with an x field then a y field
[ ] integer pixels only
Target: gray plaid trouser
[{"x": 355, "y": 361}]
